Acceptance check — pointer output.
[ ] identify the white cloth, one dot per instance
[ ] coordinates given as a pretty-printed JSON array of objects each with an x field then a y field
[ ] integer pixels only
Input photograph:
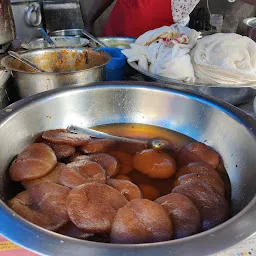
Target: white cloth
[
  {"x": 225, "y": 59},
  {"x": 181, "y": 10},
  {"x": 155, "y": 55}
]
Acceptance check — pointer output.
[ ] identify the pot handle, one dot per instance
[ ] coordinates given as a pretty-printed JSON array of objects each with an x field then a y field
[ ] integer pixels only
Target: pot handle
[{"x": 33, "y": 8}]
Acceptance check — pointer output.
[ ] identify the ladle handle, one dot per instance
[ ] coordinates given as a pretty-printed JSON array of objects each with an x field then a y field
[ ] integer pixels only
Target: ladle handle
[
  {"x": 93, "y": 38},
  {"x": 102, "y": 135},
  {"x": 25, "y": 61},
  {"x": 47, "y": 38}
]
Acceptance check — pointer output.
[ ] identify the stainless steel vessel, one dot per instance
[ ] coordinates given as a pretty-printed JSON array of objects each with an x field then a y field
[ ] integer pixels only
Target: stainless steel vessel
[
  {"x": 117, "y": 42},
  {"x": 230, "y": 131},
  {"x": 251, "y": 27},
  {"x": 234, "y": 95},
  {"x": 68, "y": 32},
  {"x": 7, "y": 29},
  {"x": 59, "y": 41},
  {"x": 71, "y": 69}
]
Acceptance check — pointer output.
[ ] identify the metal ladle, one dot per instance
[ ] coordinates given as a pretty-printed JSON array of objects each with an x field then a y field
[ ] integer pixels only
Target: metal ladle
[
  {"x": 158, "y": 144},
  {"x": 47, "y": 38},
  {"x": 25, "y": 61},
  {"x": 93, "y": 38},
  {"x": 49, "y": 41}
]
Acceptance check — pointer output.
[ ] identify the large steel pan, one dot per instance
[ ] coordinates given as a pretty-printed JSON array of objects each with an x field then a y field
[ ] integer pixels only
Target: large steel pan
[{"x": 230, "y": 131}]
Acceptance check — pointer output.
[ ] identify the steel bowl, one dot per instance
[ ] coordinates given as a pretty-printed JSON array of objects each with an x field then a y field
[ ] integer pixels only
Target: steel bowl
[
  {"x": 232, "y": 94},
  {"x": 60, "y": 41},
  {"x": 68, "y": 32},
  {"x": 227, "y": 129},
  {"x": 64, "y": 66},
  {"x": 251, "y": 27},
  {"x": 117, "y": 42},
  {"x": 114, "y": 42}
]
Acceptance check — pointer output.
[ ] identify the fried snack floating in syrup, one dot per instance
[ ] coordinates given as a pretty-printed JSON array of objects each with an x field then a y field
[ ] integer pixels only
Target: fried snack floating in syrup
[
  {"x": 156, "y": 165},
  {"x": 184, "y": 214},
  {"x": 43, "y": 204},
  {"x": 126, "y": 188},
  {"x": 93, "y": 206},
  {"x": 105, "y": 191},
  {"x": 34, "y": 162},
  {"x": 141, "y": 221}
]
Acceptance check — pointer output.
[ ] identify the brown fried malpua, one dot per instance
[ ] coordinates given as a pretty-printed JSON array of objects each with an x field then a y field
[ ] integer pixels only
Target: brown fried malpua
[
  {"x": 52, "y": 176},
  {"x": 141, "y": 221},
  {"x": 196, "y": 167},
  {"x": 198, "y": 152},
  {"x": 61, "y": 136},
  {"x": 108, "y": 162},
  {"x": 61, "y": 150},
  {"x": 71, "y": 230},
  {"x": 93, "y": 146},
  {"x": 124, "y": 161},
  {"x": 126, "y": 188},
  {"x": 43, "y": 204},
  {"x": 78, "y": 173},
  {"x": 184, "y": 214},
  {"x": 122, "y": 177},
  {"x": 35, "y": 161},
  {"x": 93, "y": 206},
  {"x": 157, "y": 165},
  {"x": 213, "y": 207},
  {"x": 149, "y": 192},
  {"x": 214, "y": 181}
]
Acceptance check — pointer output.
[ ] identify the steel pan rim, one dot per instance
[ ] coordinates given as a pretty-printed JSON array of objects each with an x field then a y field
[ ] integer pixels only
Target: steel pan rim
[
  {"x": 41, "y": 40},
  {"x": 124, "y": 39},
  {"x": 78, "y": 31},
  {"x": 248, "y": 212}
]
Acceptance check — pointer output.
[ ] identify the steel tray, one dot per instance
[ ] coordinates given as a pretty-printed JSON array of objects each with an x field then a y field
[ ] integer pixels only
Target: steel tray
[{"x": 232, "y": 94}]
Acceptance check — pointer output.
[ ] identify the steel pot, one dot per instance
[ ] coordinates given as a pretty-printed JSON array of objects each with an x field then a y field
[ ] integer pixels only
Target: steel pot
[
  {"x": 70, "y": 69},
  {"x": 230, "y": 131}
]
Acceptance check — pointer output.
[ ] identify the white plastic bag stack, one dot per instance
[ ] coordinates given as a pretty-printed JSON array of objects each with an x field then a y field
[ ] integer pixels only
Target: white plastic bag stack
[
  {"x": 165, "y": 52},
  {"x": 225, "y": 59}
]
